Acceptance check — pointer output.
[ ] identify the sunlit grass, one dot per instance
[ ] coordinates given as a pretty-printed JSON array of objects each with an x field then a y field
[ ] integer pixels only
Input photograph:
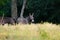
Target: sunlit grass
[{"x": 45, "y": 31}]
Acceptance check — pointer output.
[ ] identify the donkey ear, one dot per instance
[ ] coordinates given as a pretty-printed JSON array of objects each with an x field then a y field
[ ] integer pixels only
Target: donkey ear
[
  {"x": 32, "y": 14},
  {"x": 29, "y": 13}
]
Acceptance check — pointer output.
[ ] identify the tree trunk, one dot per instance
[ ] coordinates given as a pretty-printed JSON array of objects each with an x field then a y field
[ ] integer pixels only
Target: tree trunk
[
  {"x": 23, "y": 7},
  {"x": 14, "y": 9}
]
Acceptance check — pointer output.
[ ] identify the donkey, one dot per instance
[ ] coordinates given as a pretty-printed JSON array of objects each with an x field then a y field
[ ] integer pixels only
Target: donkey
[
  {"x": 26, "y": 20},
  {"x": 7, "y": 20}
]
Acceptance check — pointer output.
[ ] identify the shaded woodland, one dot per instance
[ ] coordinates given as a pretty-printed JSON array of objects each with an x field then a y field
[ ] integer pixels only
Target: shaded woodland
[{"x": 44, "y": 10}]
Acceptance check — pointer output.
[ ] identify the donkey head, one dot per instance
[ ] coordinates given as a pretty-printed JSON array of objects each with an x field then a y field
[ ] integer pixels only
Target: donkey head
[{"x": 31, "y": 17}]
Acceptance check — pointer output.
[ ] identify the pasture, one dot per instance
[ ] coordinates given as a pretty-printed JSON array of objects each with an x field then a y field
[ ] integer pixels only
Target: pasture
[{"x": 45, "y": 31}]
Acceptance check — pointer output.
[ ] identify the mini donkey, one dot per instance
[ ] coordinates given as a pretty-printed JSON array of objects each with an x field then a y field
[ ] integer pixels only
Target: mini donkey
[
  {"x": 7, "y": 20},
  {"x": 26, "y": 20}
]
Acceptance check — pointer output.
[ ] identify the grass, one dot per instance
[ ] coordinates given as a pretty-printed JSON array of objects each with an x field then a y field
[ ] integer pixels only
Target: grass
[{"x": 45, "y": 31}]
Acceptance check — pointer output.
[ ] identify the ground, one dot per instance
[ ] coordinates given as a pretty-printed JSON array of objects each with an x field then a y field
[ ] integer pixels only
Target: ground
[{"x": 45, "y": 31}]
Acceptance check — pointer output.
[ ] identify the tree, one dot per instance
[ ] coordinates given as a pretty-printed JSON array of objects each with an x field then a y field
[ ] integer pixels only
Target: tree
[
  {"x": 14, "y": 9},
  {"x": 23, "y": 7}
]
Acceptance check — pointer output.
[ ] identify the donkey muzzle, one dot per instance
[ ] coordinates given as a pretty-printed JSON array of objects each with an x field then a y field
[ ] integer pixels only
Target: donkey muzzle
[{"x": 32, "y": 20}]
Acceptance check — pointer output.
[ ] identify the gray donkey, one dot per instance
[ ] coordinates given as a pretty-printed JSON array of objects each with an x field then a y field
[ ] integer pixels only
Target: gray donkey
[
  {"x": 26, "y": 20},
  {"x": 8, "y": 20}
]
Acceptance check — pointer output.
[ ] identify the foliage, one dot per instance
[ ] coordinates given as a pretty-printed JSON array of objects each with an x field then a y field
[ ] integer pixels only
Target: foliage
[
  {"x": 44, "y": 10},
  {"x": 4, "y": 7}
]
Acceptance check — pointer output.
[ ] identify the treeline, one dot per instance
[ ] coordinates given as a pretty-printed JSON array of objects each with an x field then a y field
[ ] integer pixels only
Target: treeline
[{"x": 44, "y": 10}]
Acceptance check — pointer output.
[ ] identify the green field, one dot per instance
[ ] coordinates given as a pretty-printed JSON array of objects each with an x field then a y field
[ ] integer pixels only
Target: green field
[{"x": 45, "y": 31}]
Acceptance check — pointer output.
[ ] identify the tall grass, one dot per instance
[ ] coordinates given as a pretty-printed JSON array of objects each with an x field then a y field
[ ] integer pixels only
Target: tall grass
[{"x": 45, "y": 31}]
